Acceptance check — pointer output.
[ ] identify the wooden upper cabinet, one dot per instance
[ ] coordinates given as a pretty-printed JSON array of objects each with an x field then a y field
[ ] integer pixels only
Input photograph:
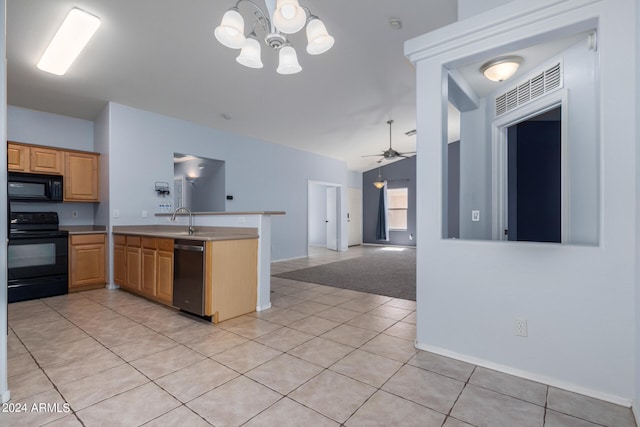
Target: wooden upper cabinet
[
  {"x": 34, "y": 159},
  {"x": 17, "y": 157},
  {"x": 81, "y": 177},
  {"x": 45, "y": 160}
]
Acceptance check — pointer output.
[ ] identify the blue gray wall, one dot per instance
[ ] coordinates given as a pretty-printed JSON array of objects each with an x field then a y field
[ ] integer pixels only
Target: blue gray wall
[{"x": 398, "y": 174}]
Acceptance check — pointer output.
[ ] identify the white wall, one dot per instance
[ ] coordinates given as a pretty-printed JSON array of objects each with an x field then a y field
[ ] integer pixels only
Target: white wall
[
  {"x": 579, "y": 301},
  {"x": 467, "y": 8},
  {"x": 260, "y": 175},
  {"x": 36, "y": 127},
  {"x": 355, "y": 179},
  {"x": 636, "y": 401}
]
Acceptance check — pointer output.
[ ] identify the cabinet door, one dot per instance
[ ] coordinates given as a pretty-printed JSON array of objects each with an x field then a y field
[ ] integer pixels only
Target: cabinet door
[
  {"x": 81, "y": 177},
  {"x": 17, "y": 157},
  {"x": 45, "y": 160},
  {"x": 119, "y": 264},
  {"x": 149, "y": 269},
  {"x": 164, "y": 290},
  {"x": 133, "y": 262},
  {"x": 86, "y": 260}
]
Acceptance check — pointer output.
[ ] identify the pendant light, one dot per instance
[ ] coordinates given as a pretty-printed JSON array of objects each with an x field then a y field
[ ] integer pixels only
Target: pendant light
[
  {"x": 250, "y": 53},
  {"x": 230, "y": 32},
  {"x": 288, "y": 61},
  {"x": 289, "y": 17},
  {"x": 379, "y": 183},
  {"x": 282, "y": 17},
  {"x": 319, "y": 40}
]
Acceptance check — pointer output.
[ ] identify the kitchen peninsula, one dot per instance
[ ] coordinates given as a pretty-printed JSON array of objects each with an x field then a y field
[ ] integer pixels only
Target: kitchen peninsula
[{"x": 233, "y": 230}]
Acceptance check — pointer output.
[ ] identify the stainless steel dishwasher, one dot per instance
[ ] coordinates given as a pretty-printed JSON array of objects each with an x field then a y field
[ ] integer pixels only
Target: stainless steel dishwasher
[{"x": 188, "y": 276}]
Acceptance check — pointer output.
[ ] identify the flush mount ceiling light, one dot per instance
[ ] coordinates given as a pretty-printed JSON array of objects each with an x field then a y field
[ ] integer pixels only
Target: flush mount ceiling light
[
  {"x": 500, "y": 69},
  {"x": 72, "y": 36},
  {"x": 282, "y": 17}
]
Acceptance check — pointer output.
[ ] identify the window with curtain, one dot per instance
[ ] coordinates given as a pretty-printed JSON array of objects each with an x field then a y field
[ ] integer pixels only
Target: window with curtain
[{"x": 398, "y": 205}]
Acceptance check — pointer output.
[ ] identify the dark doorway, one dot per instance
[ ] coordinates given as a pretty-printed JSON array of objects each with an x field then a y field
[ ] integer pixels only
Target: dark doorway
[{"x": 534, "y": 179}]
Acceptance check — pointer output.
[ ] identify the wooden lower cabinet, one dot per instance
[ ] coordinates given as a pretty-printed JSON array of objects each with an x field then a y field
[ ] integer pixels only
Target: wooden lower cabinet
[
  {"x": 149, "y": 266},
  {"x": 133, "y": 262},
  {"x": 144, "y": 265},
  {"x": 119, "y": 259},
  {"x": 231, "y": 278},
  {"x": 87, "y": 261},
  {"x": 164, "y": 275}
]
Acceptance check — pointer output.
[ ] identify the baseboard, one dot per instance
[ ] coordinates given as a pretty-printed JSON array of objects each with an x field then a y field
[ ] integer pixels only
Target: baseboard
[
  {"x": 389, "y": 244},
  {"x": 5, "y": 396},
  {"x": 636, "y": 414},
  {"x": 530, "y": 376},
  {"x": 263, "y": 307},
  {"x": 289, "y": 259}
]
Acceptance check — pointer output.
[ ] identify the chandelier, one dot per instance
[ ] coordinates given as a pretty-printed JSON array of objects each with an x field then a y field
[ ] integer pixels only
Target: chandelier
[{"x": 282, "y": 17}]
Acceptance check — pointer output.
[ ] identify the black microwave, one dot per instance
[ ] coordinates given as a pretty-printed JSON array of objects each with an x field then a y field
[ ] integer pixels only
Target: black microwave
[{"x": 29, "y": 187}]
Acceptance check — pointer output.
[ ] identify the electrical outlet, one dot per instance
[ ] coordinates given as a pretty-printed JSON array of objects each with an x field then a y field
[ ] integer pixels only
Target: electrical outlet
[
  {"x": 116, "y": 213},
  {"x": 145, "y": 214},
  {"x": 520, "y": 327},
  {"x": 475, "y": 216}
]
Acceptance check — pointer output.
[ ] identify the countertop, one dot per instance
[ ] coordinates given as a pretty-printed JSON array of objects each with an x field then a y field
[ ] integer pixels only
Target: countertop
[
  {"x": 180, "y": 232},
  {"x": 84, "y": 229},
  {"x": 247, "y": 213}
]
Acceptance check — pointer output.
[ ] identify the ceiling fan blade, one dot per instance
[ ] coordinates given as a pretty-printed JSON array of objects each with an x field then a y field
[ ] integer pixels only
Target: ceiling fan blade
[{"x": 372, "y": 155}]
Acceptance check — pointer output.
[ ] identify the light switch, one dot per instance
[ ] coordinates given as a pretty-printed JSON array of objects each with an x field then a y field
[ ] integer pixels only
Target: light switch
[{"x": 475, "y": 216}]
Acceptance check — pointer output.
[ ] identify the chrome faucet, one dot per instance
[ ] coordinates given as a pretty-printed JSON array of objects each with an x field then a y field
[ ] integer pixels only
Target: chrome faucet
[{"x": 191, "y": 228}]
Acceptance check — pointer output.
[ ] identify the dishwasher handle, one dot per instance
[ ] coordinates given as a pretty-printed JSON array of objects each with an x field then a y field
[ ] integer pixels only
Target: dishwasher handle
[{"x": 190, "y": 248}]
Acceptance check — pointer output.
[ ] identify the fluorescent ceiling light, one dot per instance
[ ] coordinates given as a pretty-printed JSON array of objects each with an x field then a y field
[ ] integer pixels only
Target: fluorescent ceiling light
[{"x": 72, "y": 36}]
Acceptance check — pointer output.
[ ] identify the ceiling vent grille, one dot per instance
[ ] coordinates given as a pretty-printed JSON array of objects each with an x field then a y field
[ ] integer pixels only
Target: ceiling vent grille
[{"x": 540, "y": 84}]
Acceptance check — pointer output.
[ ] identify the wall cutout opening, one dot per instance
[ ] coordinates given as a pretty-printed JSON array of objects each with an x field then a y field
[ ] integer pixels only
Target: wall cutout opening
[
  {"x": 495, "y": 188},
  {"x": 199, "y": 183}
]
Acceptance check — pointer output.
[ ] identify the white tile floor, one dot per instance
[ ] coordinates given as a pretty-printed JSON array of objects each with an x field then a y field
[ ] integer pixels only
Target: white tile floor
[{"x": 321, "y": 356}]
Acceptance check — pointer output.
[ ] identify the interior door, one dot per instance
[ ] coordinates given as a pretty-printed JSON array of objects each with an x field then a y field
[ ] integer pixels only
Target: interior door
[
  {"x": 354, "y": 216},
  {"x": 332, "y": 218},
  {"x": 534, "y": 179}
]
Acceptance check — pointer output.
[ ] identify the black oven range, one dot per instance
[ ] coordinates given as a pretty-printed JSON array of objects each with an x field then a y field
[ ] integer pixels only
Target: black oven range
[{"x": 37, "y": 257}]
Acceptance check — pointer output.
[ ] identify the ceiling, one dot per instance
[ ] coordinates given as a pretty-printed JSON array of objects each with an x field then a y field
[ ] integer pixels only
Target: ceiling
[{"x": 161, "y": 56}]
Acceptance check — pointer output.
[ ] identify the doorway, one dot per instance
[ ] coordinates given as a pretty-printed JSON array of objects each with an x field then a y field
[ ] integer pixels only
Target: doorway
[
  {"x": 534, "y": 178},
  {"x": 323, "y": 215},
  {"x": 354, "y": 216}
]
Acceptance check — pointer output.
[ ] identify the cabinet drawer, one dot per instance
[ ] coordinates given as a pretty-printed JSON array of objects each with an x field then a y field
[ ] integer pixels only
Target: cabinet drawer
[
  {"x": 165, "y": 245},
  {"x": 119, "y": 239},
  {"x": 85, "y": 239},
  {"x": 149, "y": 242},
  {"x": 134, "y": 241}
]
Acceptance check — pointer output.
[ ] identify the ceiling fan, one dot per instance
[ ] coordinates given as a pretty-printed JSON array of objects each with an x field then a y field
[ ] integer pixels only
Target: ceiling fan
[{"x": 390, "y": 153}]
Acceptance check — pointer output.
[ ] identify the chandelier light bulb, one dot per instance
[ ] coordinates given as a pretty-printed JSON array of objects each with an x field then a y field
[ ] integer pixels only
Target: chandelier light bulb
[
  {"x": 288, "y": 61},
  {"x": 289, "y": 17},
  {"x": 250, "y": 53},
  {"x": 231, "y": 30},
  {"x": 319, "y": 40}
]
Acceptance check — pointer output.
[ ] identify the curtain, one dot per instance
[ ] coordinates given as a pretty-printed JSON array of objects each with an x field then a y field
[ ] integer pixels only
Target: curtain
[{"x": 382, "y": 227}]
